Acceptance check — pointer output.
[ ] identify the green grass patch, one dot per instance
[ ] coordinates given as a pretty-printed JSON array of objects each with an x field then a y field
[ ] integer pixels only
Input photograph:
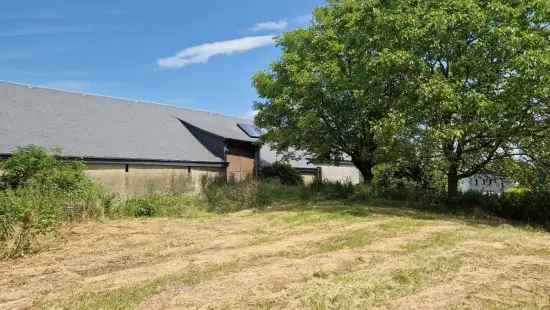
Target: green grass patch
[
  {"x": 311, "y": 217},
  {"x": 130, "y": 297},
  {"x": 437, "y": 241},
  {"x": 122, "y": 298},
  {"x": 363, "y": 237},
  {"x": 356, "y": 239}
]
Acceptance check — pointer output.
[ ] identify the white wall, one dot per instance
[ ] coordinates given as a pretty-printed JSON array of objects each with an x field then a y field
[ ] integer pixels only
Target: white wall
[
  {"x": 486, "y": 183},
  {"x": 345, "y": 173}
]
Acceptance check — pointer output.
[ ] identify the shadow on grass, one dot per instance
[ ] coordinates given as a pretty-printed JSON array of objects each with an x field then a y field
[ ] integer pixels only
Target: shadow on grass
[{"x": 341, "y": 208}]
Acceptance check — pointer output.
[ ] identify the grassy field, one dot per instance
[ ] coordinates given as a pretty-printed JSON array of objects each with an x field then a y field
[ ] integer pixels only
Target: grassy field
[{"x": 328, "y": 256}]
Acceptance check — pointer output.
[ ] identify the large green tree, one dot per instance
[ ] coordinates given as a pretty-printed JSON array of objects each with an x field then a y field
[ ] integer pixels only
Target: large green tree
[
  {"x": 484, "y": 78},
  {"x": 472, "y": 74},
  {"x": 336, "y": 89}
]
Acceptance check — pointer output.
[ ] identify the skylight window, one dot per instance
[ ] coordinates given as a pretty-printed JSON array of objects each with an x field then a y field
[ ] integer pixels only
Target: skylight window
[{"x": 251, "y": 130}]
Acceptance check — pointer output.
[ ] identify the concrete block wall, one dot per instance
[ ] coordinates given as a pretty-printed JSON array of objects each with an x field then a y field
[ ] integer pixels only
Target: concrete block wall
[{"x": 142, "y": 180}]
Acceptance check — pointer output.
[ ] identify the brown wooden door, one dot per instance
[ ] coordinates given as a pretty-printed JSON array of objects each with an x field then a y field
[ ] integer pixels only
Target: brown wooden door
[{"x": 240, "y": 167}]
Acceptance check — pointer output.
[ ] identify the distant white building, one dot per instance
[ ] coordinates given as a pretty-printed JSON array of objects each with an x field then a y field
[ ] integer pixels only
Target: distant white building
[
  {"x": 343, "y": 171},
  {"x": 486, "y": 183}
]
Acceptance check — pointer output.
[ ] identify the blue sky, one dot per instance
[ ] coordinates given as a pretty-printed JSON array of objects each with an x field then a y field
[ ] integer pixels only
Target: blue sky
[{"x": 198, "y": 54}]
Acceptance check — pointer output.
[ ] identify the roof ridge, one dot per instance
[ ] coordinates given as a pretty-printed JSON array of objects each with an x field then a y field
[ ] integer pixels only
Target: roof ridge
[{"x": 122, "y": 99}]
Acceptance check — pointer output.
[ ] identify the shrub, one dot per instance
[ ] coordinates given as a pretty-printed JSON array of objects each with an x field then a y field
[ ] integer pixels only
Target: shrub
[
  {"x": 145, "y": 209},
  {"x": 223, "y": 197},
  {"x": 35, "y": 166},
  {"x": 27, "y": 213},
  {"x": 532, "y": 207},
  {"x": 283, "y": 172},
  {"x": 332, "y": 190},
  {"x": 156, "y": 205},
  {"x": 26, "y": 164},
  {"x": 38, "y": 192}
]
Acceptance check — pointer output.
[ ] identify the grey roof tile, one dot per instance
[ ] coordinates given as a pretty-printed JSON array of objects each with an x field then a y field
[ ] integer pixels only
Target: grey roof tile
[{"x": 86, "y": 125}]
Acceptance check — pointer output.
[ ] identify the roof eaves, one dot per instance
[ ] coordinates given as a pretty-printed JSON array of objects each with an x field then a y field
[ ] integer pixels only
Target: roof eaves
[{"x": 140, "y": 161}]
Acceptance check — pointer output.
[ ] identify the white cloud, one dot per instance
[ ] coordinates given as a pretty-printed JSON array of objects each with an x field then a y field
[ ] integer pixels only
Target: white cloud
[
  {"x": 270, "y": 26},
  {"x": 203, "y": 53},
  {"x": 69, "y": 85}
]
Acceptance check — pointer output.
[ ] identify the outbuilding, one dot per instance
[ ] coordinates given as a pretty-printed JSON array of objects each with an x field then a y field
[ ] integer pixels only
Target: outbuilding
[{"x": 132, "y": 147}]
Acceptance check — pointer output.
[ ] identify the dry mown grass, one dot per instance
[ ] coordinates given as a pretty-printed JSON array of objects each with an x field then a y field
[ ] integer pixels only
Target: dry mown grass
[{"x": 332, "y": 257}]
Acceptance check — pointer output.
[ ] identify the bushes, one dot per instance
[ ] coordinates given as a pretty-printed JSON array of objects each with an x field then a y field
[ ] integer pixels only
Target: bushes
[
  {"x": 157, "y": 205},
  {"x": 335, "y": 190},
  {"x": 35, "y": 166},
  {"x": 27, "y": 213},
  {"x": 283, "y": 172},
  {"x": 225, "y": 197},
  {"x": 38, "y": 191},
  {"x": 530, "y": 207}
]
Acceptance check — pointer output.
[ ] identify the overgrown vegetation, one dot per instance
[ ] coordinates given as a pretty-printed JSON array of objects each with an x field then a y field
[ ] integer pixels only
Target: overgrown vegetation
[
  {"x": 39, "y": 191},
  {"x": 532, "y": 207},
  {"x": 223, "y": 197},
  {"x": 282, "y": 172},
  {"x": 157, "y": 205}
]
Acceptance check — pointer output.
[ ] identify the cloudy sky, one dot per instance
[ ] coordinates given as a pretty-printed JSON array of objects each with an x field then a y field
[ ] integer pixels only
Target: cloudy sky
[{"x": 198, "y": 54}]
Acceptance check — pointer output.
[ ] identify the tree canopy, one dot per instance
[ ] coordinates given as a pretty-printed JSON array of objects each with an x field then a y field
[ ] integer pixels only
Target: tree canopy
[
  {"x": 336, "y": 89},
  {"x": 466, "y": 82}
]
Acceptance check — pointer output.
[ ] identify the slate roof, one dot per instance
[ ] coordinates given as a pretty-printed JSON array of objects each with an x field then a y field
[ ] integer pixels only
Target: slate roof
[{"x": 93, "y": 126}]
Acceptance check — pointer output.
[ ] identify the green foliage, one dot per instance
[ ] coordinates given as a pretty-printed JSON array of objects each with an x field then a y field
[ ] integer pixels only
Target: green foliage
[
  {"x": 331, "y": 190},
  {"x": 157, "y": 205},
  {"x": 530, "y": 207},
  {"x": 35, "y": 166},
  {"x": 39, "y": 192},
  {"x": 482, "y": 78},
  {"x": 223, "y": 197},
  {"x": 533, "y": 170},
  {"x": 26, "y": 213},
  {"x": 27, "y": 164},
  {"x": 336, "y": 89},
  {"x": 283, "y": 172},
  {"x": 466, "y": 81}
]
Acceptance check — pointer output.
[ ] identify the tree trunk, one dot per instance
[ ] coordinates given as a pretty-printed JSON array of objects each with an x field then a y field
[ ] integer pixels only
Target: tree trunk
[
  {"x": 452, "y": 181},
  {"x": 365, "y": 167},
  {"x": 364, "y": 161}
]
